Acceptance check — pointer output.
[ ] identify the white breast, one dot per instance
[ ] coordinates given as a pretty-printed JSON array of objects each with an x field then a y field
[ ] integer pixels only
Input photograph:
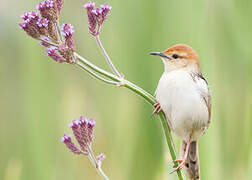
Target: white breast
[{"x": 180, "y": 97}]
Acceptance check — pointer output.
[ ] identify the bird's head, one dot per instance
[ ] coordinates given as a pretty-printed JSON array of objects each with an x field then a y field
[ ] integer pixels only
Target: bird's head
[{"x": 179, "y": 56}]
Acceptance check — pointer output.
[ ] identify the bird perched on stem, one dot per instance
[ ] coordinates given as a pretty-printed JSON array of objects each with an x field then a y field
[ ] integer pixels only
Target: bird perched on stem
[{"x": 183, "y": 95}]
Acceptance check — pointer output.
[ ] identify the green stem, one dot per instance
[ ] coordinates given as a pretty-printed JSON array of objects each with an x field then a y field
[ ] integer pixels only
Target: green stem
[
  {"x": 111, "y": 65},
  {"x": 97, "y": 76},
  {"x": 147, "y": 96},
  {"x": 93, "y": 160}
]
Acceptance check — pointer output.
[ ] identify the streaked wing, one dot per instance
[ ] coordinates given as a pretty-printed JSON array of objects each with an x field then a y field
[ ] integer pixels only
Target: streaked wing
[{"x": 204, "y": 92}]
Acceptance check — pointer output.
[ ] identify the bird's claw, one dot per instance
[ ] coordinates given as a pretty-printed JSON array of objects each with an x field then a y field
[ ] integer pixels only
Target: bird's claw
[
  {"x": 180, "y": 166},
  {"x": 157, "y": 108}
]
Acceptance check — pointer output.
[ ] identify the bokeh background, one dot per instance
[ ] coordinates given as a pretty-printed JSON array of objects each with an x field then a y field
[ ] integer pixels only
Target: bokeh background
[{"x": 38, "y": 97}]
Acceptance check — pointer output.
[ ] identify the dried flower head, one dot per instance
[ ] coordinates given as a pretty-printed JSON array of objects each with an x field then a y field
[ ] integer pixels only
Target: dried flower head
[{"x": 96, "y": 17}]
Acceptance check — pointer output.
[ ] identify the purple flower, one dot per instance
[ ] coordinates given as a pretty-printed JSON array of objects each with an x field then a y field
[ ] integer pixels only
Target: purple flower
[
  {"x": 67, "y": 53},
  {"x": 83, "y": 130},
  {"x": 96, "y": 17},
  {"x": 45, "y": 5},
  {"x": 67, "y": 140},
  {"x": 90, "y": 125},
  {"x": 105, "y": 9},
  {"x": 91, "y": 18},
  {"x": 97, "y": 12},
  {"x": 52, "y": 52},
  {"x": 48, "y": 10},
  {"x": 42, "y": 22},
  {"x": 30, "y": 15},
  {"x": 59, "y": 5},
  {"x": 89, "y": 5},
  {"x": 75, "y": 125},
  {"x": 67, "y": 30},
  {"x": 25, "y": 15},
  {"x": 29, "y": 25}
]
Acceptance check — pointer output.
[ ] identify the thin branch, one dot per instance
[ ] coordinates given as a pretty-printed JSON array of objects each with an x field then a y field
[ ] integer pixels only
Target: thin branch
[
  {"x": 111, "y": 76},
  {"x": 58, "y": 31},
  {"x": 93, "y": 160},
  {"x": 50, "y": 43},
  {"x": 147, "y": 96},
  {"x": 111, "y": 65},
  {"x": 80, "y": 65},
  {"x": 96, "y": 68}
]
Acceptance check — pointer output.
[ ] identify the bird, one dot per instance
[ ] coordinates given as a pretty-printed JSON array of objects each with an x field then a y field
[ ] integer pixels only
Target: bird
[{"x": 184, "y": 97}]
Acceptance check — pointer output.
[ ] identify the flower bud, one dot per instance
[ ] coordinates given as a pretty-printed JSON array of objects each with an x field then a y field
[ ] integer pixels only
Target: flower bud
[
  {"x": 67, "y": 140},
  {"x": 51, "y": 51},
  {"x": 96, "y": 17}
]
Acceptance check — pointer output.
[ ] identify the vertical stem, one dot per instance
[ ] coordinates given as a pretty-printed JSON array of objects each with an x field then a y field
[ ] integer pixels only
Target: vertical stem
[
  {"x": 59, "y": 32},
  {"x": 95, "y": 164},
  {"x": 105, "y": 177},
  {"x": 170, "y": 142},
  {"x": 111, "y": 65}
]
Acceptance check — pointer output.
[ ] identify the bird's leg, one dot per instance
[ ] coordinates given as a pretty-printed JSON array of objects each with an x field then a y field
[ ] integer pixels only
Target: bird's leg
[
  {"x": 183, "y": 160},
  {"x": 157, "y": 108}
]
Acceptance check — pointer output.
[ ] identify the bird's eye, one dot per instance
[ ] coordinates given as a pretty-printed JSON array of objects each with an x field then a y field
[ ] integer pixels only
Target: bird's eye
[{"x": 175, "y": 56}]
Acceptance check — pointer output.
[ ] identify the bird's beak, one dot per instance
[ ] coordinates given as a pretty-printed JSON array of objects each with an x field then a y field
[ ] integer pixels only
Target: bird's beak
[{"x": 160, "y": 54}]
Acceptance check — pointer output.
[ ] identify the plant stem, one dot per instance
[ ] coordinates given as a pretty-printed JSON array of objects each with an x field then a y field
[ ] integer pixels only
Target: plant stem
[
  {"x": 95, "y": 164},
  {"x": 85, "y": 63},
  {"x": 50, "y": 43},
  {"x": 111, "y": 65},
  {"x": 95, "y": 74},
  {"x": 147, "y": 96},
  {"x": 58, "y": 30}
]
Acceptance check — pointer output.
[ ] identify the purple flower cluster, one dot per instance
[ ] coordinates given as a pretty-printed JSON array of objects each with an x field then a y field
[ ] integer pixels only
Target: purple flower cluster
[
  {"x": 44, "y": 26},
  {"x": 30, "y": 24},
  {"x": 50, "y": 9},
  {"x": 96, "y": 16},
  {"x": 46, "y": 29},
  {"x": 68, "y": 31},
  {"x": 83, "y": 130}
]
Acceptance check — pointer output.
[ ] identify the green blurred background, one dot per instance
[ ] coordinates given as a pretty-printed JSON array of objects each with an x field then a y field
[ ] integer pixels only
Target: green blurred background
[{"x": 40, "y": 97}]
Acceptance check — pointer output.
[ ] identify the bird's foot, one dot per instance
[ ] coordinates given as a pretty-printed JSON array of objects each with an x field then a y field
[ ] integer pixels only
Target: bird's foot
[
  {"x": 182, "y": 161},
  {"x": 178, "y": 160},
  {"x": 180, "y": 166},
  {"x": 157, "y": 108}
]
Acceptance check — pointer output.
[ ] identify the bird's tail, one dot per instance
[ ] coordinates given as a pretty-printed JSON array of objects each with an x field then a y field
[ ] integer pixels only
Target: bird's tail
[{"x": 192, "y": 161}]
